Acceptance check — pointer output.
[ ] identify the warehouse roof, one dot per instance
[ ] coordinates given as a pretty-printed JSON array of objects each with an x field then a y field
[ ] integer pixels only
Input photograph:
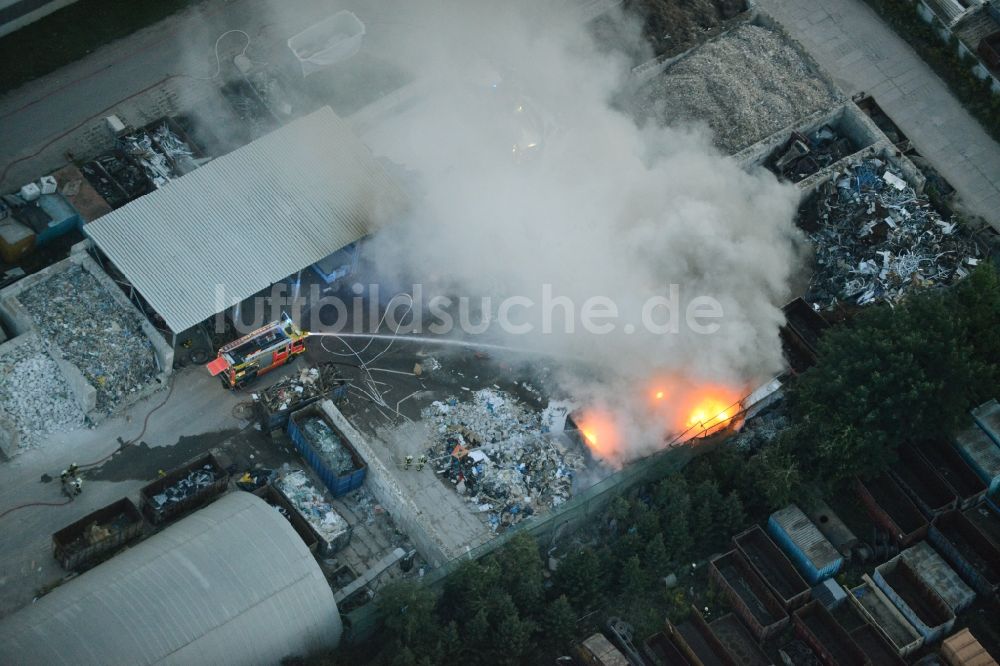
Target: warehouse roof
[
  {"x": 248, "y": 219},
  {"x": 230, "y": 584}
]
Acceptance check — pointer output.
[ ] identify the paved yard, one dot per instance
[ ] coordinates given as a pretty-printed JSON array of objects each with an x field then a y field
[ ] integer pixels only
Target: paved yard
[{"x": 862, "y": 53}]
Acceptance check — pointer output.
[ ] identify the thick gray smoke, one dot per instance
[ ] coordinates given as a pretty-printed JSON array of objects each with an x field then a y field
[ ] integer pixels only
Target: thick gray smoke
[{"x": 524, "y": 174}]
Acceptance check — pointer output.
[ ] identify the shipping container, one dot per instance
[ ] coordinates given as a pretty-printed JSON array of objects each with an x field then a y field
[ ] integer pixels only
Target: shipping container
[
  {"x": 16, "y": 241},
  {"x": 875, "y": 647},
  {"x": 597, "y": 650},
  {"x": 875, "y": 607},
  {"x": 698, "y": 643},
  {"x": 829, "y": 593},
  {"x": 63, "y": 218},
  {"x": 939, "y": 576},
  {"x": 332, "y": 529},
  {"x": 927, "y": 490},
  {"x": 748, "y": 594},
  {"x": 277, "y": 419},
  {"x": 963, "y": 649},
  {"x": 982, "y": 454},
  {"x": 814, "y": 556},
  {"x": 814, "y": 625},
  {"x": 739, "y": 643},
  {"x": 970, "y": 552},
  {"x": 337, "y": 481},
  {"x": 277, "y": 499},
  {"x": 917, "y": 602},
  {"x": 159, "y": 508},
  {"x": 892, "y": 510},
  {"x": 987, "y": 417},
  {"x": 986, "y": 520},
  {"x": 773, "y": 567},
  {"x": 97, "y": 535},
  {"x": 951, "y": 467},
  {"x": 833, "y": 528},
  {"x": 659, "y": 650}
]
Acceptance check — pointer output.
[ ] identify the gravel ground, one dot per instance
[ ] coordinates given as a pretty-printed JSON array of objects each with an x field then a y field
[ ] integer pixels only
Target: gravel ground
[
  {"x": 35, "y": 396},
  {"x": 96, "y": 334},
  {"x": 745, "y": 86}
]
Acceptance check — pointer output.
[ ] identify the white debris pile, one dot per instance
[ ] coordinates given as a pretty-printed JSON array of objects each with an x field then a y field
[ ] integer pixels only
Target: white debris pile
[
  {"x": 309, "y": 502},
  {"x": 499, "y": 454},
  {"x": 176, "y": 148},
  {"x": 331, "y": 447},
  {"x": 140, "y": 147},
  {"x": 746, "y": 85},
  {"x": 34, "y": 395},
  {"x": 876, "y": 239},
  {"x": 102, "y": 338}
]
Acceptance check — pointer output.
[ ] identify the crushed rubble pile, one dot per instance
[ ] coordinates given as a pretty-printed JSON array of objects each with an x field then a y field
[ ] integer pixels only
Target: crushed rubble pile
[
  {"x": 498, "y": 454},
  {"x": 876, "y": 239},
  {"x": 290, "y": 392},
  {"x": 761, "y": 430},
  {"x": 175, "y": 148},
  {"x": 746, "y": 85},
  {"x": 309, "y": 502},
  {"x": 34, "y": 395},
  {"x": 94, "y": 332},
  {"x": 188, "y": 486},
  {"x": 802, "y": 156},
  {"x": 330, "y": 446},
  {"x": 140, "y": 147}
]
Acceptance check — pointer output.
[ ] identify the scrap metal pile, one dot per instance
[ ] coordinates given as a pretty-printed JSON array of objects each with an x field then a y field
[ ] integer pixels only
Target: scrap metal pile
[
  {"x": 116, "y": 178},
  {"x": 802, "y": 156},
  {"x": 499, "y": 454},
  {"x": 746, "y": 85},
  {"x": 140, "y": 147},
  {"x": 332, "y": 448},
  {"x": 34, "y": 395},
  {"x": 195, "y": 481},
  {"x": 291, "y": 392},
  {"x": 309, "y": 502},
  {"x": 94, "y": 332},
  {"x": 876, "y": 239}
]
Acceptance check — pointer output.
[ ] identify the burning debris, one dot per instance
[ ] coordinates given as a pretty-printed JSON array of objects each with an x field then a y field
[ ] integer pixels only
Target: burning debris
[
  {"x": 499, "y": 454},
  {"x": 34, "y": 394},
  {"x": 802, "y": 156},
  {"x": 94, "y": 332},
  {"x": 188, "y": 486},
  {"x": 319, "y": 513},
  {"x": 876, "y": 239},
  {"x": 746, "y": 85}
]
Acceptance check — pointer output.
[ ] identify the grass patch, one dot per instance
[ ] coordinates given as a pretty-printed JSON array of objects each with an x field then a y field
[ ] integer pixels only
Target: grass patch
[
  {"x": 974, "y": 93},
  {"x": 72, "y": 32}
]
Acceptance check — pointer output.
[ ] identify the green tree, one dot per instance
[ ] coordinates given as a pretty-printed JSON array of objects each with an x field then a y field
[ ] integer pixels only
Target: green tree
[
  {"x": 408, "y": 612},
  {"x": 512, "y": 639},
  {"x": 655, "y": 558},
  {"x": 559, "y": 625},
  {"x": 521, "y": 573},
  {"x": 578, "y": 577},
  {"x": 732, "y": 517},
  {"x": 677, "y": 530},
  {"x": 773, "y": 477}
]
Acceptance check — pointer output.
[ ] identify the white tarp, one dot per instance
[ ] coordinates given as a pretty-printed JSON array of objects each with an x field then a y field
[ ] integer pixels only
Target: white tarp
[{"x": 328, "y": 42}]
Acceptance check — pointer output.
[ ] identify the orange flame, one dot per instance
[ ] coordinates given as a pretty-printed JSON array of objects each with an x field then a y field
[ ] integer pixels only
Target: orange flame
[{"x": 600, "y": 433}]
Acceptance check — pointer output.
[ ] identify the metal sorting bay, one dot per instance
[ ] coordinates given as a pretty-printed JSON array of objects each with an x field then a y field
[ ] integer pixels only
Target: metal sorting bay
[
  {"x": 698, "y": 642},
  {"x": 936, "y": 573},
  {"x": 929, "y": 492},
  {"x": 762, "y": 612},
  {"x": 982, "y": 454},
  {"x": 332, "y": 529},
  {"x": 920, "y": 605},
  {"x": 183, "y": 489},
  {"x": 297, "y": 391},
  {"x": 772, "y": 566},
  {"x": 875, "y": 647},
  {"x": 277, "y": 499},
  {"x": 82, "y": 544},
  {"x": 326, "y": 450},
  {"x": 815, "y": 625},
  {"x": 973, "y": 555},
  {"x": 877, "y": 609},
  {"x": 889, "y": 506}
]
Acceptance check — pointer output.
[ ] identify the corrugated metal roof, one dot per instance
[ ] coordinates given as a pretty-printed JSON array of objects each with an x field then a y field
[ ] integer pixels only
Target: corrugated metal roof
[
  {"x": 230, "y": 584},
  {"x": 249, "y": 219},
  {"x": 806, "y": 536}
]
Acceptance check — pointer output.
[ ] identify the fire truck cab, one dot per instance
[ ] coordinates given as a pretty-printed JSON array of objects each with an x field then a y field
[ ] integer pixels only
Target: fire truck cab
[{"x": 243, "y": 360}]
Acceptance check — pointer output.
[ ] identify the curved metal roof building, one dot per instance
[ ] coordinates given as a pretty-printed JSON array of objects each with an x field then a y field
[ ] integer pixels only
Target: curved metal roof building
[{"x": 230, "y": 584}]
